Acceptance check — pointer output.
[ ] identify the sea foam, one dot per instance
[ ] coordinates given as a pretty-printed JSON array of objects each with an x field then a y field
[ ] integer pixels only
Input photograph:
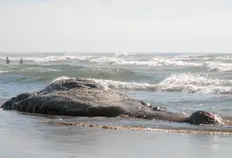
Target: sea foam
[
  {"x": 183, "y": 82},
  {"x": 48, "y": 58},
  {"x": 187, "y": 82},
  {"x": 209, "y": 63},
  {"x": 151, "y": 62}
]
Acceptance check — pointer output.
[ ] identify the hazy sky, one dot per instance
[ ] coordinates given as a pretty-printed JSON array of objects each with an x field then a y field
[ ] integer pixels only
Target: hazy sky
[{"x": 116, "y": 25}]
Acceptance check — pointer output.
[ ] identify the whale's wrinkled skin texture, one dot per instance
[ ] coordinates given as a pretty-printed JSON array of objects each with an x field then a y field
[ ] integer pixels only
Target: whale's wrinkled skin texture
[
  {"x": 10, "y": 104},
  {"x": 84, "y": 97}
]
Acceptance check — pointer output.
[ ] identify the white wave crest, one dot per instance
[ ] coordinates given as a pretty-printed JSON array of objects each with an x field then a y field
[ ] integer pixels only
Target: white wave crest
[
  {"x": 194, "y": 79},
  {"x": 38, "y": 69},
  {"x": 48, "y": 58},
  {"x": 58, "y": 58},
  {"x": 211, "y": 63},
  {"x": 110, "y": 84},
  {"x": 124, "y": 54},
  {"x": 124, "y": 85},
  {"x": 192, "y": 83},
  {"x": 61, "y": 78},
  {"x": 152, "y": 62},
  {"x": 195, "y": 83},
  {"x": 1, "y": 71},
  {"x": 189, "y": 58},
  {"x": 224, "y": 58},
  {"x": 184, "y": 82},
  {"x": 204, "y": 58},
  {"x": 221, "y": 67},
  {"x": 172, "y": 62},
  {"x": 117, "y": 61},
  {"x": 163, "y": 61}
]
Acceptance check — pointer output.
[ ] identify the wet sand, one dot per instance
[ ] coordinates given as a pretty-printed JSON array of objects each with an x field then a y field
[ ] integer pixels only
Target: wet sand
[{"x": 26, "y": 136}]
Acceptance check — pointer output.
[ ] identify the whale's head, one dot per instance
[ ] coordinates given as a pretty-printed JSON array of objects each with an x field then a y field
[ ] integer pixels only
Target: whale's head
[
  {"x": 10, "y": 104},
  {"x": 203, "y": 117}
]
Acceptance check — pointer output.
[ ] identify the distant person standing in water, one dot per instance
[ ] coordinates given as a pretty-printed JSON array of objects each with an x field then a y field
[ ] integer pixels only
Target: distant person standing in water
[
  {"x": 21, "y": 61},
  {"x": 7, "y": 60}
]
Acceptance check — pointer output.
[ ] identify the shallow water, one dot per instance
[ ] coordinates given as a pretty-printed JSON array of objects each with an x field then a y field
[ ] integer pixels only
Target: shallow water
[
  {"x": 180, "y": 82},
  {"x": 24, "y": 136}
]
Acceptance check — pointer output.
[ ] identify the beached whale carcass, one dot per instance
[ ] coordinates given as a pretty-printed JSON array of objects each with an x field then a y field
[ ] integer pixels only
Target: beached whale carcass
[{"x": 85, "y": 97}]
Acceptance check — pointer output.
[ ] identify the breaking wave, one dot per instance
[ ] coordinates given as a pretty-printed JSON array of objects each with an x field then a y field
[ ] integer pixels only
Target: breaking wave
[
  {"x": 176, "y": 62},
  {"x": 48, "y": 58},
  {"x": 192, "y": 83},
  {"x": 1, "y": 72},
  {"x": 124, "y": 54},
  {"x": 151, "y": 62},
  {"x": 218, "y": 66},
  {"x": 209, "y": 63}
]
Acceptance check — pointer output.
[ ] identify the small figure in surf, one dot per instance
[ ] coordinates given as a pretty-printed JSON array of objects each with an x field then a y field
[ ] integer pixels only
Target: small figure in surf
[
  {"x": 7, "y": 60},
  {"x": 21, "y": 61}
]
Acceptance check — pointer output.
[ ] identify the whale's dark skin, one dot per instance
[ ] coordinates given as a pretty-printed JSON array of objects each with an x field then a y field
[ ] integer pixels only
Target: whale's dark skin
[{"x": 84, "y": 97}]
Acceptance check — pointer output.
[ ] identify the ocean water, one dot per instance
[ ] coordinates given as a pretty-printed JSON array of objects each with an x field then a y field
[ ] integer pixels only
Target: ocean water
[{"x": 180, "y": 82}]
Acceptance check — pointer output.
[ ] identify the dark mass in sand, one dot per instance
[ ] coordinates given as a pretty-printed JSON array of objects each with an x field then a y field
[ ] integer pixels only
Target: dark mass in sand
[{"x": 84, "y": 97}]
